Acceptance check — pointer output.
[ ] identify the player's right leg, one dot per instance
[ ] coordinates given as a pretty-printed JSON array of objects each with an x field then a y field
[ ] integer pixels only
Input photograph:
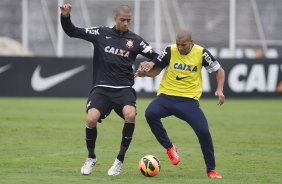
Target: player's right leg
[
  {"x": 92, "y": 118},
  {"x": 157, "y": 109},
  {"x": 97, "y": 107}
]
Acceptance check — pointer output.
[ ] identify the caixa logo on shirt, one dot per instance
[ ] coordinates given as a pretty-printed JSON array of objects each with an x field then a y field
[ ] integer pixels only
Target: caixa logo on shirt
[
  {"x": 186, "y": 67},
  {"x": 119, "y": 52}
]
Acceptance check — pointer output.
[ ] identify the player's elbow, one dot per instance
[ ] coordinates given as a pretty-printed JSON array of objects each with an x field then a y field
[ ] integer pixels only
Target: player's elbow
[
  {"x": 221, "y": 70},
  {"x": 220, "y": 73}
]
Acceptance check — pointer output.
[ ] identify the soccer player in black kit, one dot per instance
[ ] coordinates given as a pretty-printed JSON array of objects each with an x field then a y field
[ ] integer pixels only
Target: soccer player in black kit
[{"x": 115, "y": 50}]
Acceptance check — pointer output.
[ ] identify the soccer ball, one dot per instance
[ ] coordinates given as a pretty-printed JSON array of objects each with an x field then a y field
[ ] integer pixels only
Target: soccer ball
[{"x": 149, "y": 166}]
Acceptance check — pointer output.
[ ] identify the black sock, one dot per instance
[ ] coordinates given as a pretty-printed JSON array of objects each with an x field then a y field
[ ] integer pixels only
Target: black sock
[
  {"x": 91, "y": 135},
  {"x": 127, "y": 133}
]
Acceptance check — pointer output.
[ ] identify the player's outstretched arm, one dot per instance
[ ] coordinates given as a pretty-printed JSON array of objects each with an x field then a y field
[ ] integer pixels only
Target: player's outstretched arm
[
  {"x": 66, "y": 9},
  {"x": 147, "y": 69},
  {"x": 220, "y": 77}
]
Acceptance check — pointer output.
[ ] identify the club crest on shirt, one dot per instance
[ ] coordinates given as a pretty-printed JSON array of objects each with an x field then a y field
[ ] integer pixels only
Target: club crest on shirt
[{"x": 129, "y": 43}]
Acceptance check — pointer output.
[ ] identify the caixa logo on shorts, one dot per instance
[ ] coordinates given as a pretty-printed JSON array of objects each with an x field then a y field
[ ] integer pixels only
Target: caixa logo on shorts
[{"x": 119, "y": 52}]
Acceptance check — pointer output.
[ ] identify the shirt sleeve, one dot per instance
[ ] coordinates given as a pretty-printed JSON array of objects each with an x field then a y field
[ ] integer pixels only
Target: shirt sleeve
[
  {"x": 209, "y": 62},
  {"x": 89, "y": 34},
  {"x": 163, "y": 59},
  {"x": 147, "y": 50}
]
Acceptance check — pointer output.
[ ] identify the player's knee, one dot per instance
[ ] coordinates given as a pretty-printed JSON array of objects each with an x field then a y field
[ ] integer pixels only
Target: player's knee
[
  {"x": 91, "y": 121},
  {"x": 130, "y": 116},
  {"x": 151, "y": 113},
  {"x": 92, "y": 117},
  {"x": 129, "y": 113}
]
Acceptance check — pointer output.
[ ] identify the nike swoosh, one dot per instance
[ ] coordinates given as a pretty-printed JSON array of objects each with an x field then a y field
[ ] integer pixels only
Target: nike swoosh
[
  {"x": 108, "y": 37},
  {"x": 180, "y": 78},
  {"x": 39, "y": 83},
  {"x": 5, "y": 68}
]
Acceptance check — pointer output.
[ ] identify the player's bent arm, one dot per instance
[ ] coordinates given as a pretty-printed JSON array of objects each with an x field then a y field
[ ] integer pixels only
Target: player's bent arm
[
  {"x": 220, "y": 77},
  {"x": 67, "y": 26},
  {"x": 73, "y": 31}
]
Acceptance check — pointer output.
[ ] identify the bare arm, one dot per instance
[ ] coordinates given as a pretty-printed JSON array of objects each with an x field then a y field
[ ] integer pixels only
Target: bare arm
[{"x": 220, "y": 77}]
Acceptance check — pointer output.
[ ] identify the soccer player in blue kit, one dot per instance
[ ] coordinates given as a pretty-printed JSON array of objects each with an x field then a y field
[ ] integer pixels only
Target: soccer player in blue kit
[
  {"x": 115, "y": 51},
  {"x": 179, "y": 92}
]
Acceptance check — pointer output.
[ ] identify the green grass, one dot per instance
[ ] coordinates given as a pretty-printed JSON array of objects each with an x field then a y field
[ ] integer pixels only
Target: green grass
[{"x": 42, "y": 141}]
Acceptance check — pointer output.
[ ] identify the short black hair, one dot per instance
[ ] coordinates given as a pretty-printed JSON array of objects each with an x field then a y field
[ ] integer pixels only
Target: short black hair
[
  {"x": 184, "y": 33},
  {"x": 124, "y": 8}
]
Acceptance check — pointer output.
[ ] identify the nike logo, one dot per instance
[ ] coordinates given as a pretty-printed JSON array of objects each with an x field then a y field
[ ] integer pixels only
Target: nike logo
[
  {"x": 5, "y": 68},
  {"x": 39, "y": 83},
  {"x": 180, "y": 78},
  {"x": 108, "y": 37}
]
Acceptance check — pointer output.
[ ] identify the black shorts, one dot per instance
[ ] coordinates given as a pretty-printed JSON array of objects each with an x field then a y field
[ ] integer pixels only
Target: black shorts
[{"x": 106, "y": 99}]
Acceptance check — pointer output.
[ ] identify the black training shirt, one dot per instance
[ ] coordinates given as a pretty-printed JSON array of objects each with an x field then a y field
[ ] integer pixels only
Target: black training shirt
[{"x": 114, "y": 53}]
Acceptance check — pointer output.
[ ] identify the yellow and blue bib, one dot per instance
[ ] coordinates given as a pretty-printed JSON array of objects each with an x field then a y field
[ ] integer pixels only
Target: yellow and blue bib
[{"x": 183, "y": 76}]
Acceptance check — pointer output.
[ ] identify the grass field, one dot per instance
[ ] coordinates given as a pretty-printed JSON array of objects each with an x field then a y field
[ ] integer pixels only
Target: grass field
[{"x": 42, "y": 141}]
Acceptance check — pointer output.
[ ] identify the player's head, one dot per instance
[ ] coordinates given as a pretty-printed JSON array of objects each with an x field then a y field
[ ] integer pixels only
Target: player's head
[
  {"x": 184, "y": 42},
  {"x": 123, "y": 18}
]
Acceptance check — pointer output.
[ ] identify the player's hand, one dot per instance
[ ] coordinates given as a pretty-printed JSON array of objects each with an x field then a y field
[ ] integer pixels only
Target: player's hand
[
  {"x": 140, "y": 72},
  {"x": 144, "y": 69},
  {"x": 220, "y": 96},
  {"x": 65, "y": 9},
  {"x": 146, "y": 66}
]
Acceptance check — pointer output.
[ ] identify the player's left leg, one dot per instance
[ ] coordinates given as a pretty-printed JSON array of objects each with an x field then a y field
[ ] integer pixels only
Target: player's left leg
[
  {"x": 191, "y": 112},
  {"x": 160, "y": 108},
  {"x": 125, "y": 108}
]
